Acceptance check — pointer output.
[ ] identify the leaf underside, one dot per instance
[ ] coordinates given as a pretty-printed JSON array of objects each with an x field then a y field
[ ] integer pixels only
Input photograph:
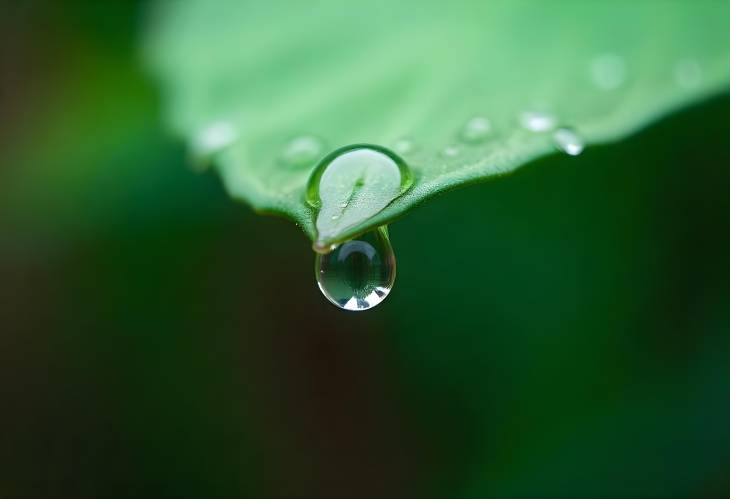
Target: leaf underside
[{"x": 242, "y": 81}]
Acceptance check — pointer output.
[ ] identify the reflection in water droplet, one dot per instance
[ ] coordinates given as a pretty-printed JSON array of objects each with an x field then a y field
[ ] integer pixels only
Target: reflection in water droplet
[
  {"x": 536, "y": 121},
  {"x": 568, "y": 141},
  {"x": 451, "y": 151},
  {"x": 404, "y": 146},
  {"x": 213, "y": 137},
  {"x": 358, "y": 274},
  {"x": 608, "y": 71},
  {"x": 302, "y": 151},
  {"x": 687, "y": 73},
  {"x": 475, "y": 130}
]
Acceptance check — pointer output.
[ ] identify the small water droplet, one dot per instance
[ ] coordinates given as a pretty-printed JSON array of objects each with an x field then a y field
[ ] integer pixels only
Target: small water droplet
[
  {"x": 608, "y": 71},
  {"x": 451, "y": 151},
  {"x": 404, "y": 146},
  {"x": 568, "y": 141},
  {"x": 213, "y": 137},
  {"x": 302, "y": 151},
  {"x": 687, "y": 73},
  {"x": 536, "y": 121},
  {"x": 335, "y": 217},
  {"x": 476, "y": 130},
  {"x": 358, "y": 274}
]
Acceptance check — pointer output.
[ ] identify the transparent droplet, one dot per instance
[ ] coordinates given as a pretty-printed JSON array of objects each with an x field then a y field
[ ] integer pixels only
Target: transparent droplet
[
  {"x": 451, "y": 151},
  {"x": 568, "y": 141},
  {"x": 302, "y": 151},
  {"x": 536, "y": 121},
  {"x": 358, "y": 274},
  {"x": 352, "y": 184},
  {"x": 212, "y": 138},
  {"x": 404, "y": 146},
  {"x": 608, "y": 71},
  {"x": 688, "y": 73},
  {"x": 476, "y": 130}
]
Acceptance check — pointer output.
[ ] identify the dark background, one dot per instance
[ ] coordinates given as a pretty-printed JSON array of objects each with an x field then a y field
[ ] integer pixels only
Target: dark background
[{"x": 563, "y": 332}]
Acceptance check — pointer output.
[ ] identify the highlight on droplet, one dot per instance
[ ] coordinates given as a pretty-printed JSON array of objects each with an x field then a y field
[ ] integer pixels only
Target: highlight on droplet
[
  {"x": 568, "y": 141},
  {"x": 537, "y": 121}
]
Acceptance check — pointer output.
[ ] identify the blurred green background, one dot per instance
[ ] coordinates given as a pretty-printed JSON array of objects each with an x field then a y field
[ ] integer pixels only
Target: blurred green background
[{"x": 562, "y": 332}]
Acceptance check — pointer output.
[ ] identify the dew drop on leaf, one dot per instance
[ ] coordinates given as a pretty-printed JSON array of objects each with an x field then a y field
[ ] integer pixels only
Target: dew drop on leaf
[
  {"x": 451, "y": 151},
  {"x": 358, "y": 274},
  {"x": 688, "y": 73},
  {"x": 302, "y": 151},
  {"x": 212, "y": 138},
  {"x": 568, "y": 141},
  {"x": 475, "y": 130},
  {"x": 608, "y": 71},
  {"x": 404, "y": 146},
  {"x": 536, "y": 121}
]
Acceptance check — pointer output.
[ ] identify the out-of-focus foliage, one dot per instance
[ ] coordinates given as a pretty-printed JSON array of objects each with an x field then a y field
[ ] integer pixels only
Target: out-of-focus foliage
[{"x": 241, "y": 80}]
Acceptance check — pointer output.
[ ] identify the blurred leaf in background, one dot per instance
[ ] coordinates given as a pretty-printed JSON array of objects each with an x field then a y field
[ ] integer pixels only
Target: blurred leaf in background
[{"x": 562, "y": 332}]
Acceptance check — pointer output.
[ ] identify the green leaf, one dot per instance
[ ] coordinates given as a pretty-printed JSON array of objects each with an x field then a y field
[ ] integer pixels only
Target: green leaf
[{"x": 263, "y": 91}]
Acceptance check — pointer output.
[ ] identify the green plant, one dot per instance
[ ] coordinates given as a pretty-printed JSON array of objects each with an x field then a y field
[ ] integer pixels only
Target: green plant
[{"x": 464, "y": 92}]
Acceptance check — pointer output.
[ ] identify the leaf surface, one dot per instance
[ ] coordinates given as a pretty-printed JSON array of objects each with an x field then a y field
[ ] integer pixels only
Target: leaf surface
[{"x": 462, "y": 91}]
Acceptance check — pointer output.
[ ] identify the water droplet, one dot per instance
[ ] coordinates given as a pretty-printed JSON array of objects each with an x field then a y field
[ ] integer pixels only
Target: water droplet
[
  {"x": 302, "y": 151},
  {"x": 568, "y": 141},
  {"x": 451, "y": 151},
  {"x": 688, "y": 73},
  {"x": 608, "y": 71},
  {"x": 404, "y": 146},
  {"x": 358, "y": 274},
  {"x": 535, "y": 121},
  {"x": 352, "y": 184},
  {"x": 476, "y": 130},
  {"x": 213, "y": 137}
]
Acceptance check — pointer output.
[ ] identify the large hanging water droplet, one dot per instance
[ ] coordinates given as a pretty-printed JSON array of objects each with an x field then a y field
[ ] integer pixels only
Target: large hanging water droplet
[
  {"x": 352, "y": 184},
  {"x": 358, "y": 274},
  {"x": 568, "y": 141}
]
